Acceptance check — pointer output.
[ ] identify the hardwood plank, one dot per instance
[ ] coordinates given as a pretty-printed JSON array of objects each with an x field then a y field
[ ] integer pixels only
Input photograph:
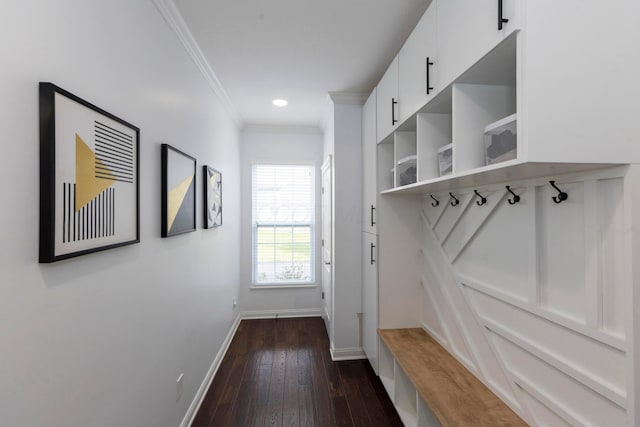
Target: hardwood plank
[
  {"x": 454, "y": 395},
  {"x": 275, "y": 402},
  {"x": 307, "y": 408},
  {"x": 291, "y": 403}
]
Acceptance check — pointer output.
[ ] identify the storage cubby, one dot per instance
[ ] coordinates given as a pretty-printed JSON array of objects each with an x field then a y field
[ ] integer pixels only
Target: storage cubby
[
  {"x": 425, "y": 416},
  {"x": 433, "y": 133},
  {"x": 405, "y": 158},
  {"x": 386, "y": 367},
  {"x": 405, "y": 398},
  {"x": 386, "y": 168},
  {"x": 475, "y": 106}
]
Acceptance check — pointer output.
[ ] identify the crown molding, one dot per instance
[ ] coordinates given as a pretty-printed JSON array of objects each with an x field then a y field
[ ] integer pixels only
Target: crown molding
[
  {"x": 172, "y": 16},
  {"x": 351, "y": 98},
  {"x": 285, "y": 129}
]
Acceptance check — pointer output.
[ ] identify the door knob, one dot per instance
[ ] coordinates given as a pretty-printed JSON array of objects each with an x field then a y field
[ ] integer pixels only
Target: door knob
[{"x": 327, "y": 263}]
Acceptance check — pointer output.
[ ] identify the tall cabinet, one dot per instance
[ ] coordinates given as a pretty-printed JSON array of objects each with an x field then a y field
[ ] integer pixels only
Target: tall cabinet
[{"x": 369, "y": 233}]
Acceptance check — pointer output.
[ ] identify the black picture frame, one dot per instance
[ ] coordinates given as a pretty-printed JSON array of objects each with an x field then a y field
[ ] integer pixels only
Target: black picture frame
[
  {"x": 178, "y": 194},
  {"x": 89, "y": 177},
  {"x": 212, "y": 197}
]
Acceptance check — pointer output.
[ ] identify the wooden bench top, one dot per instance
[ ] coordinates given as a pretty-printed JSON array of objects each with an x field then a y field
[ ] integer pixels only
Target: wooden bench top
[{"x": 454, "y": 395}]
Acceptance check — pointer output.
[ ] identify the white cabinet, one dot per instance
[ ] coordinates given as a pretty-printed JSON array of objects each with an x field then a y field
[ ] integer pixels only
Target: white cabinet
[
  {"x": 417, "y": 66},
  {"x": 580, "y": 94},
  {"x": 369, "y": 164},
  {"x": 369, "y": 237},
  {"x": 387, "y": 101},
  {"x": 468, "y": 29},
  {"x": 370, "y": 298}
]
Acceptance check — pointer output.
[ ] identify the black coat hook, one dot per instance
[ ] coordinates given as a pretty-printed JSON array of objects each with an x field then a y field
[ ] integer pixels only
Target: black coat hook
[
  {"x": 455, "y": 201},
  {"x": 482, "y": 201},
  {"x": 562, "y": 196},
  {"x": 515, "y": 199},
  {"x": 436, "y": 202}
]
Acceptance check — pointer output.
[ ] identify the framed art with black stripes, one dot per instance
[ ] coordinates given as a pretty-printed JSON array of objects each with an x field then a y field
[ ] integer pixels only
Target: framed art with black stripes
[
  {"x": 178, "y": 195},
  {"x": 89, "y": 177}
]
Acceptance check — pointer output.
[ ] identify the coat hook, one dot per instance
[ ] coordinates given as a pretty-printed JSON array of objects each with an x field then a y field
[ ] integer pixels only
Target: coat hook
[
  {"x": 562, "y": 196},
  {"x": 455, "y": 202},
  {"x": 482, "y": 201},
  {"x": 515, "y": 199},
  {"x": 436, "y": 202}
]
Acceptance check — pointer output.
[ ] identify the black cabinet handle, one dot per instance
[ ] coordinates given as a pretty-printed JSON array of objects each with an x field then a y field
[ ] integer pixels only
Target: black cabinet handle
[
  {"x": 501, "y": 18},
  {"x": 372, "y": 221},
  {"x": 371, "y": 258},
  {"x": 429, "y": 88},
  {"x": 393, "y": 111}
]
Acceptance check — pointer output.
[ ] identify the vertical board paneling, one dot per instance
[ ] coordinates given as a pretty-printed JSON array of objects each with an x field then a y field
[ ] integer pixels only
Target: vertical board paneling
[
  {"x": 498, "y": 253},
  {"x": 611, "y": 227},
  {"x": 561, "y": 248}
]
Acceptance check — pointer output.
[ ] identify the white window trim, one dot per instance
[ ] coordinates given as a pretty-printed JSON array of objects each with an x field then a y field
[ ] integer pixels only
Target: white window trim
[{"x": 286, "y": 285}]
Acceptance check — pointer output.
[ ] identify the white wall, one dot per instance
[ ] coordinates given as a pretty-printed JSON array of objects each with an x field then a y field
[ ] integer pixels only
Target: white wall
[
  {"x": 343, "y": 140},
  {"x": 101, "y": 339},
  {"x": 278, "y": 146}
]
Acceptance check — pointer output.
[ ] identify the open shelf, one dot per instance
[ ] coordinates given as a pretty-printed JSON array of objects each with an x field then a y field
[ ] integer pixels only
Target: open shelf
[{"x": 497, "y": 173}]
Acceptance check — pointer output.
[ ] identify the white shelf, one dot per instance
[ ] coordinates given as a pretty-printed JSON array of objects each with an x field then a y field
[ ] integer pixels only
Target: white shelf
[
  {"x": 408, "y": 160},
  {"x": 501, "y": 122},
  {"x": 510, "y": 170}
]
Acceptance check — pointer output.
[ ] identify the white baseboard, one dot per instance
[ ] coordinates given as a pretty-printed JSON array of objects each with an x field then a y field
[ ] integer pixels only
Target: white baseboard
[
  {"x": 206, "y": 383},
  {"x": 270, "y": 314},
  {"x": 349, "y": 353}
]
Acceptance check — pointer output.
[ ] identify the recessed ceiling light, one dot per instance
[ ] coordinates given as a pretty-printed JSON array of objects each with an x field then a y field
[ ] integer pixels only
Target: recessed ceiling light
[{"x": 279, "y": 102}]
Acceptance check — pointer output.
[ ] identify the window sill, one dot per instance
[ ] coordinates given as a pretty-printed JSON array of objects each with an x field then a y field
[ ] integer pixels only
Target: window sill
[{"x": 283, "y": 286}]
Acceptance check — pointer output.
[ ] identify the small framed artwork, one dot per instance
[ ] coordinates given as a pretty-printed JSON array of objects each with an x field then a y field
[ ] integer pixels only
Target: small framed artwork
[
  {"x": 178, "y": 192},
  {"x": 212, "y": 197},
  {"x": 89, "y": 177}
]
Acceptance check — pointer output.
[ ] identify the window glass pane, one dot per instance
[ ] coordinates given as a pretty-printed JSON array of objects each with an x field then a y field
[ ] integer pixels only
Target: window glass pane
[{"x": 283, "y": 224}]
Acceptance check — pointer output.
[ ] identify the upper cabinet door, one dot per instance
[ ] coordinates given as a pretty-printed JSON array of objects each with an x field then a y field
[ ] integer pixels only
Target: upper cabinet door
[
  {"x": 387, "y": 101},
  {"x": 369, "y": 149},
  {"x": 418, "y": 65},
  {"x": 469, "y": 29}
]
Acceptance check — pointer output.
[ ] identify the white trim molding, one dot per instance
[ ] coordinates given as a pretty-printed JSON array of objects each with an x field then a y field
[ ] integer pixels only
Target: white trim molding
[
  {"x": 206, "y": 383},
  {"x": 282, "y": 314},
  {"x": 350, "y": 353},
  {"x": 172, "y": 16},
  {"x": 282, "y": 129},
  {"x": 351, "y": 98}
]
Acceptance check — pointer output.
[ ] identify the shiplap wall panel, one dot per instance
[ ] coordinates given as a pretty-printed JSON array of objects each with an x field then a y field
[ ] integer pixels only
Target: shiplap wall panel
[
  {"x": 596, "y": 361},
  {"x": 561, "y": 250},
  {"x": 584, "y": 404},
  {"x": 544, "y": 285},
  {"x": 498, "y": 254},
  {"x": 611, "y": 221}
]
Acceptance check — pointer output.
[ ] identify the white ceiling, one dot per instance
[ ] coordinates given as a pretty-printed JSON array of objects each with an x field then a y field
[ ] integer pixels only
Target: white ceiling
[{"x": 298, "y": 50}]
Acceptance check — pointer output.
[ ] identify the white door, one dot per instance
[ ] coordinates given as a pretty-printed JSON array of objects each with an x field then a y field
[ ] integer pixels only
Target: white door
[
  {"x": 370, "y": 297},
  {"x": 417, "y": 65},
  {"x": 467, "y": 30},
  {"x": 387, "y": 101},
  {"x": 327, "y": 228},
  {"x": 369, "y": 148}
]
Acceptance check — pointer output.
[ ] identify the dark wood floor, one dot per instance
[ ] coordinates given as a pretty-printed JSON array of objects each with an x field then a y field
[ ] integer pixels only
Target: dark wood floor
[{"x": 280, "y": 373}]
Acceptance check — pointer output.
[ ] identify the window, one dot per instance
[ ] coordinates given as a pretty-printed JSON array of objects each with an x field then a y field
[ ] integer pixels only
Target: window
[{"x": 283, "y": 224}]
